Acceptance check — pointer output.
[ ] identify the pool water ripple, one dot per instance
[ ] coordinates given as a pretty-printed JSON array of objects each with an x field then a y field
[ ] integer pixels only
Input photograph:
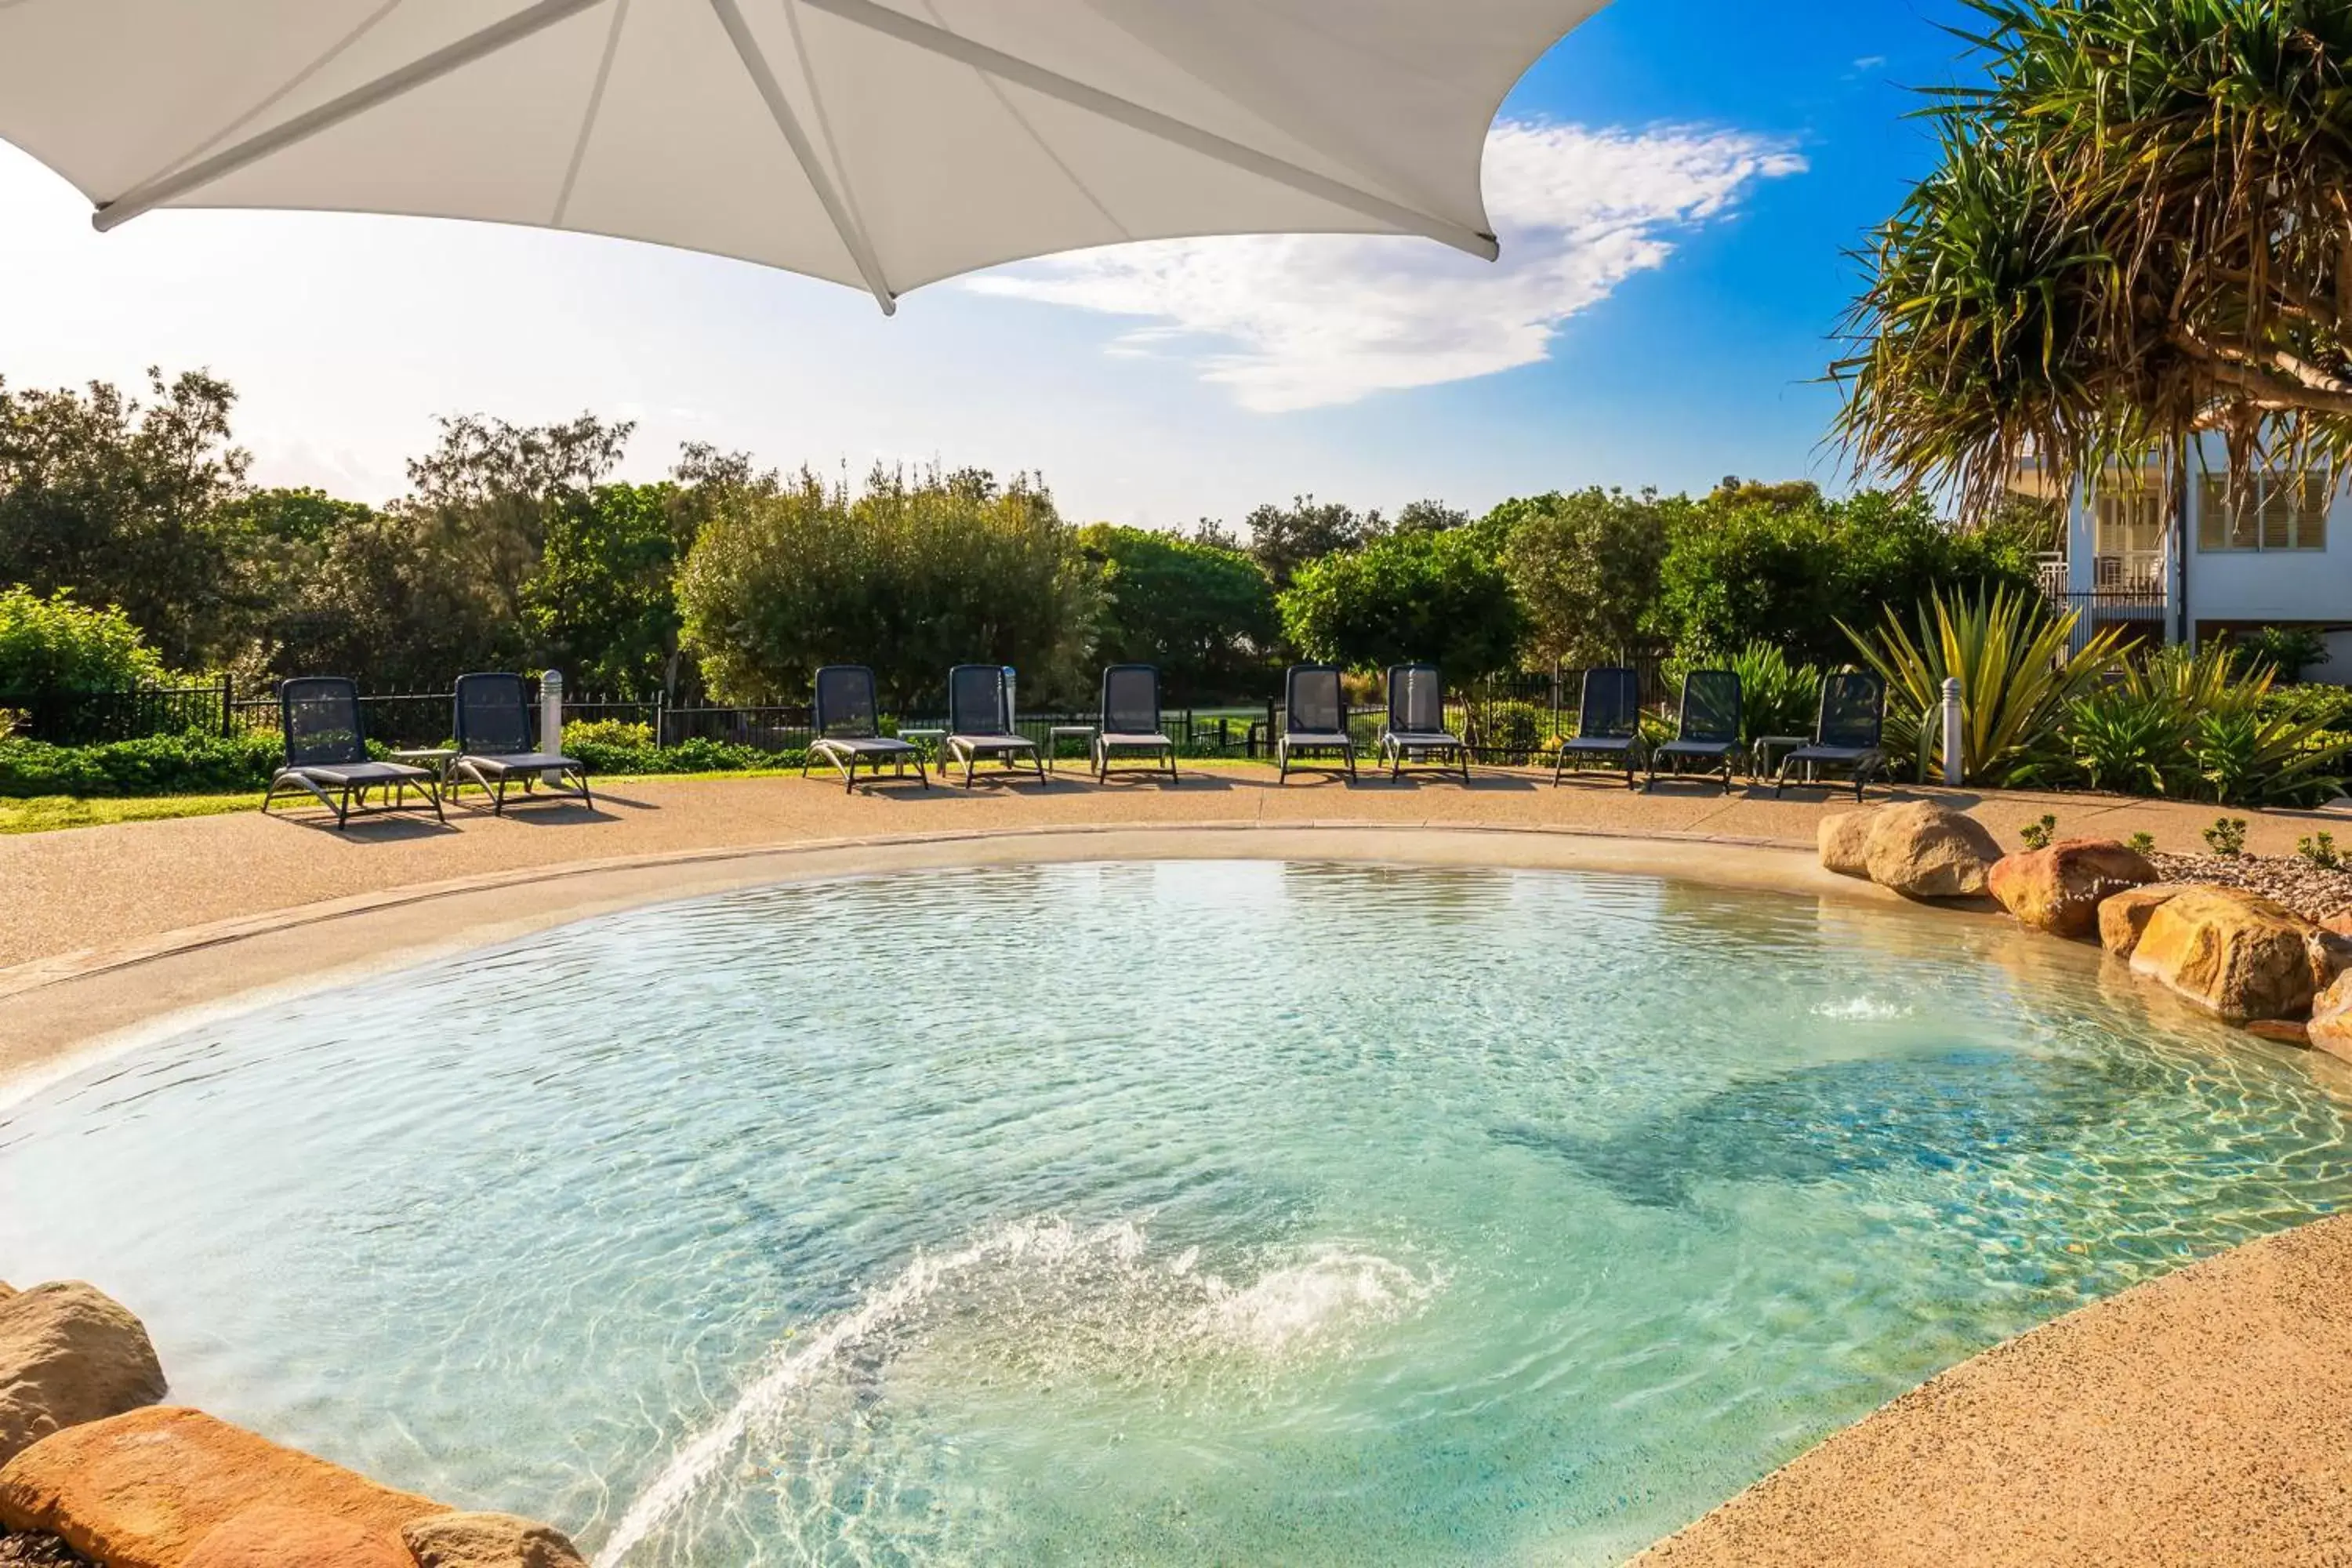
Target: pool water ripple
[{"x": 1151, "y": 1211}]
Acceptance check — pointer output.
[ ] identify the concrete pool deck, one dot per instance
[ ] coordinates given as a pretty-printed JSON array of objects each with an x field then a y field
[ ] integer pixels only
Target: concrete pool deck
[{"x": 2200, "y": 1418}]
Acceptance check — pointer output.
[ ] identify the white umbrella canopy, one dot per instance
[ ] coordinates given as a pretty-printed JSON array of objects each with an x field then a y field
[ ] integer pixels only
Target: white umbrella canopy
[{"x": 880, "y": 144}]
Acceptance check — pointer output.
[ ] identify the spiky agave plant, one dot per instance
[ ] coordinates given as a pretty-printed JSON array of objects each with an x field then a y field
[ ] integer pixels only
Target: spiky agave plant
[{"x": 2018, "y": 678}]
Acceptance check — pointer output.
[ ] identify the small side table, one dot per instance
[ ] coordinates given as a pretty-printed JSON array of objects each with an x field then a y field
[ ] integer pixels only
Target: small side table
[
  {"x": 1766, "y": 747},
  {"x": 926, "y": 742},
  {"x": 434, "y": 760},
  {"x": 1061, "y": 732}
]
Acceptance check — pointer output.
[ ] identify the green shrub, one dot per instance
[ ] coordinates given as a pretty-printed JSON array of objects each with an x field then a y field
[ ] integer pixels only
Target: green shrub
[
  {"x": 2037, "y": 835},
  {"x": 2227, "y": 837},
  {"x": 608, "y": 746},
  {"x": 2284, "y": 651},
  {"x": 53, "y": 646},
  {"x": 158, "y": 764},
  {"x": 2329, "y": 706},
  {"x": 2245, "y": 759},
  {"x": 2141, "y": 843},
  {"x": 2319, "y": 850},
  {"x": 2128, "y": 743}
]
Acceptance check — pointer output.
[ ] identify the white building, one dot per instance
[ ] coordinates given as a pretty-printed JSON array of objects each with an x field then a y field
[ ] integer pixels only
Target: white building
[{"x": 2284, "y": 557}]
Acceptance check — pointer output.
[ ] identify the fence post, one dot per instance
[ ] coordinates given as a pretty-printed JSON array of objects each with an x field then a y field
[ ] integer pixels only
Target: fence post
[
  {"x": 551, "y": 719},
  {"x": 229, "y": 706},
  {"x": 1952, "y": 761}
]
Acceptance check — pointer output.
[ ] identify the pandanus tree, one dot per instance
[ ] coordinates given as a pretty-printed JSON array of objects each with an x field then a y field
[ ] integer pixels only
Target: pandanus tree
[{"x": 2139, "y": 228}]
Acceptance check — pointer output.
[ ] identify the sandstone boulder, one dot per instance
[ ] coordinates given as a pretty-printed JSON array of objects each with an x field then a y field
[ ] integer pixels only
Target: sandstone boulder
[
  {"x": 2286, "y": 1031},
  {"x": 2059, "y": 890},
  {"x": 142, "y": 1490},
  {"x": 2331, "y": 1018},
  {"x": 2340, "y": 922},
  {"x": 2123, "y": 917},
  {"x": 2236, "y": 953},
  {"x": 70, "y": 1353},
  {"x": 1845, "y": 838},
  {"x": 274, "y": 1537},
  {"x": 487, "y": 1541},
  {"x": 1924, "y": 850}
]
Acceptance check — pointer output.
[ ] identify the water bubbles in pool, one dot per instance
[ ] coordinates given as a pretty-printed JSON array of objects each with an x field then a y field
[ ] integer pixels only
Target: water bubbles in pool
[
  {"x": 1038, "y": 1312},
  {"x": 1861, "y": 1010}
]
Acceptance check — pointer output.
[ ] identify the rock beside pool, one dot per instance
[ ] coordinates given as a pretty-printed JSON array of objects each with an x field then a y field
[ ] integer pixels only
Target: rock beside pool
[
  {"x": 1845, "y": 838},
  {"x": 144, "y": 1490},
  {"x": 487, "y": 1541},
  {"x": 1923, "y": 850},
  {"x": 2331, "y": 1018},
  {"x": 2124, "y": 916},
  {"x": 2235, "y": 954},
  {"x": 276, "y": 1537},
  {"x": 2059, "y": 890},
  {"x": 70, "y": 1353}
]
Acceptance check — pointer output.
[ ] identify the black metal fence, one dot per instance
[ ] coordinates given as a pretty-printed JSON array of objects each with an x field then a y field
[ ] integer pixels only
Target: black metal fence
[
  {"x": 87, "y": 718},
  {"x": 1505, "y": 720}
]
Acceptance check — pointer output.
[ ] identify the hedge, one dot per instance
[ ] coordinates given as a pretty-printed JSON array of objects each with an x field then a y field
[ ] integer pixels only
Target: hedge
[
  {"x": 192, "y": 763},
  {"x": 200, "y": 764}
]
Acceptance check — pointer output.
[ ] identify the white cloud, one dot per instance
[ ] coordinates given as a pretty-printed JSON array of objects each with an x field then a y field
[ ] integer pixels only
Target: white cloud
[
  {"x": 1871, "y": 63},
  {"x": 1309, "y": 320}
]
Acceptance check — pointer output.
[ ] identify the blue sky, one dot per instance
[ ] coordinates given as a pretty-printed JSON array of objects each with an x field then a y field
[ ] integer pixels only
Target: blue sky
[{"x": 1687, "y": 176}]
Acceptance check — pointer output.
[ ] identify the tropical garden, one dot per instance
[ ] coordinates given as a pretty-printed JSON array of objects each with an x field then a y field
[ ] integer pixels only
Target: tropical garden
[{"x": 2133, "y": 237}]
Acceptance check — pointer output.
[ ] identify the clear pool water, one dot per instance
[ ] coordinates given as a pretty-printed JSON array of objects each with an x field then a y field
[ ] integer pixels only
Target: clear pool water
[{"x": 1150, "y": 1213}]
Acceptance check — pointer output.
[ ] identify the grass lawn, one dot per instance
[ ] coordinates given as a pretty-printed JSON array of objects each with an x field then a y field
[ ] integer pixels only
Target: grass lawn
[{"x": 42, "y": 813}]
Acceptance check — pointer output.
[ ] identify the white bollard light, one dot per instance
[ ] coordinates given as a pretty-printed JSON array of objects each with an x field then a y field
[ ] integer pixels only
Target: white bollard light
[
  {"x": 550, "y": 719},
  {"x": 1012, "y": 707},
  {"x": 1952, "y": 768}
]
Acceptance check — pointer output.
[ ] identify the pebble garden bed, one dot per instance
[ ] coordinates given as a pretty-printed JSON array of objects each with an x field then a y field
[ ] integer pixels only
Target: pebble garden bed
[
  {"x": 22, "y": 1550},
  {"x": 2313, "y": 893}
]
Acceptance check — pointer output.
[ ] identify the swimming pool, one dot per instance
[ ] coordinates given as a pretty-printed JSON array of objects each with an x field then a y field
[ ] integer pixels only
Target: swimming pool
[{"x": 1149, "y": 1212}]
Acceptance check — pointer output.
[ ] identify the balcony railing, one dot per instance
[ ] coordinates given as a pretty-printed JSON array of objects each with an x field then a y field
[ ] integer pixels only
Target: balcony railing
[{"x": 2137, "y": 571}]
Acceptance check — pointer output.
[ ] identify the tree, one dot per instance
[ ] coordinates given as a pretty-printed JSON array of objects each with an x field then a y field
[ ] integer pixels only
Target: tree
[
  {"x": 483, "y": 497},
  {"x": 118, "y": 500},
  {"x": 1428, "y": 517},
  {"x": 433, "y": 584},
  {"x": 1739, "y": 572},
  {"x": 278, "y": 543},
  {"x": 603, "y": 606},
  {"x": 2136, "y": 230},
  {"x": 1284, "y": 539},
  {"x": 911, "y": 576},
  {"x": 50, "y": 644},
  {"x": 1585, "y": 569},
  {"x": 1204, "y": 614},
  {"x": 1413, "y": 596}
]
